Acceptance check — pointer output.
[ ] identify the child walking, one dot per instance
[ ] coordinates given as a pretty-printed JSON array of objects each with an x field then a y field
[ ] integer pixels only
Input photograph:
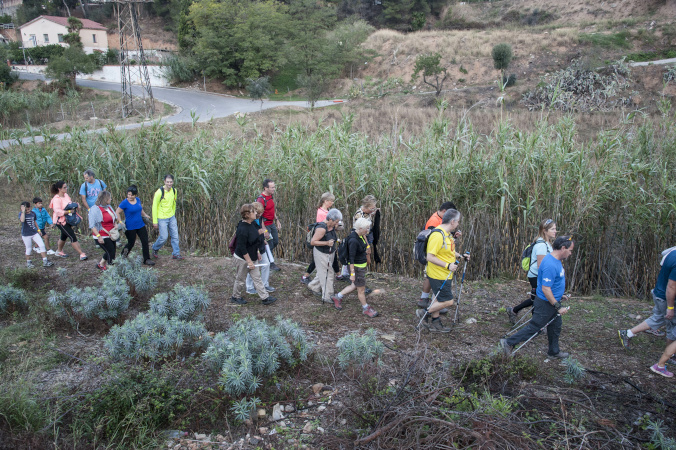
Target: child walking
[
  {"x": 29, "y": 234},
  {"x": 43, "y": 219}
]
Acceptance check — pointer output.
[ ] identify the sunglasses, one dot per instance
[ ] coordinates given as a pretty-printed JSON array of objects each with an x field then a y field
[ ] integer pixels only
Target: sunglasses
[{"x": 548, "y": 221}]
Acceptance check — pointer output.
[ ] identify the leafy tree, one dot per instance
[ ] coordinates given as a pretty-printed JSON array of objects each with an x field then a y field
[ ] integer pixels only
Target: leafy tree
[
  {"x": 347, "y": 38},
  {"x": 6, "y": 77},
  {"x": 250, "y": 46},
  {"x": 258, "y": 88},
  {"x": 433, "y": 74},
  {"x": 502, "y": 57},
  {"x": 74, "y": 60}
]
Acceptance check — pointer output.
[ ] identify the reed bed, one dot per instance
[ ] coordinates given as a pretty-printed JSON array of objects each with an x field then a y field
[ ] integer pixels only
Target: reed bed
[{"x": 615, "y": 193}]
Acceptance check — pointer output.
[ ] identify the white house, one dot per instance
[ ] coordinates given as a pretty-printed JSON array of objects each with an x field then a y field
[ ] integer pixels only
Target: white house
[{"x": 46, "y": 30}]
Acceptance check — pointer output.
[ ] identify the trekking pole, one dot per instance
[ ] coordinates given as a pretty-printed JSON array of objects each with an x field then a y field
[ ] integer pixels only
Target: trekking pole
[
  {"x": 536, "y": 333},
  {"x": 516, "y": 326},
  {"x": 434, "y": 299},
  {"x": 462, "y": 281}
]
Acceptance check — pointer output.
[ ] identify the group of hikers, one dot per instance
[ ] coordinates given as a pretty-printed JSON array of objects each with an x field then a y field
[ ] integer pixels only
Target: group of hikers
[{"x": 257, "y": 235}]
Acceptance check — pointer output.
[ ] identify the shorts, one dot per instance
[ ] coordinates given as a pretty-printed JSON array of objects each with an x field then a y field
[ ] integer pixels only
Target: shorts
[
  {"x": 446, "y": 293},
  {"x": 67, "y": 232},
  {"x": 360, "y": 276},
  {"x": 42, "y": 232},
  {"x": 656, "y": 320}
]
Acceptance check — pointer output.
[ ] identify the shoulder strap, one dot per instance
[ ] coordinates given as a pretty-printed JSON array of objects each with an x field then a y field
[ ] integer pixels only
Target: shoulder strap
[
  {"x": 265, "y": 201},
  {"x": 162, "y": 189}
]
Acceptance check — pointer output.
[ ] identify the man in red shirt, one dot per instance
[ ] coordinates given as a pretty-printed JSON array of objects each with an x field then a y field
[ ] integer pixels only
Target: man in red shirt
[
  {"x": 270, "y": 219},
  {"x": 433, "y": 222}
]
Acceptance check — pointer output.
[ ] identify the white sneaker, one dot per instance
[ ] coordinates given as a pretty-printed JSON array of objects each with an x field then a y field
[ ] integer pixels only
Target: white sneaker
[
  {"x": 36, "y": 250},
  {"x": 51, "y": 252}
]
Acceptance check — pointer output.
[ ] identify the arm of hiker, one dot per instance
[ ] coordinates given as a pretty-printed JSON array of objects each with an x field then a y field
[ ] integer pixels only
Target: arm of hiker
[
  {"x": 316, "y": 238},
  {"x": 119, "y": 212},
  {"x": 671, "y": 293},
  {"x": 431, "y": 257},
  {"x": 22, "y": 215},
  {"x": 552, "y": 301},
  {"x": 156, "y": 206}
]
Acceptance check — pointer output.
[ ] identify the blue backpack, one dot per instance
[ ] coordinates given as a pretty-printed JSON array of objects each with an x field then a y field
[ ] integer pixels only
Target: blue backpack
[{"x": 73, "y": 219}]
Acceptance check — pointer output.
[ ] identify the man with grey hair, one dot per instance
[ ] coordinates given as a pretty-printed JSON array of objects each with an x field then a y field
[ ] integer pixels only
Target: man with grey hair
[
  {"x": 442, "y": 261},
  {"x": 324, "y": 251},
  {"x": 91, "y": 188}
]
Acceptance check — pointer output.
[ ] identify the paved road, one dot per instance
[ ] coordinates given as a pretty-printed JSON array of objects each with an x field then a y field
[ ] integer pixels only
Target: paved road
[
  {"x": 206, "y": 106},
  {"x": 653, "y": 63}
]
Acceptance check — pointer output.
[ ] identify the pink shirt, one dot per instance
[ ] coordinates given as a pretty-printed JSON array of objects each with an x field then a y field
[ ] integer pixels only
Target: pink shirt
[
  {"x": 321, "y": 214},
  {"x": 58, "y": 205}
]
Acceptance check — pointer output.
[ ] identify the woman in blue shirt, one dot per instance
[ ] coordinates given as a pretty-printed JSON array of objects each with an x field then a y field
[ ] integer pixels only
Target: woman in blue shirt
[{"x": 133, "y": 220}]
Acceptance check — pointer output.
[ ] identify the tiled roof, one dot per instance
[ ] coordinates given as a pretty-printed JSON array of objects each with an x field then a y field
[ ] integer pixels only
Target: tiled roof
[{"x": 86, "y": 23}]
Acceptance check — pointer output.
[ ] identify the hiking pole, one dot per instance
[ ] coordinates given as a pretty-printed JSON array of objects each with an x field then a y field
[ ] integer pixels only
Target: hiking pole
[
  {"x": 516, "y": 326},
  {"x": 434, "y": 298},
  {"x": 537, "y": 332},
  {"x": 462, "y": 281}
]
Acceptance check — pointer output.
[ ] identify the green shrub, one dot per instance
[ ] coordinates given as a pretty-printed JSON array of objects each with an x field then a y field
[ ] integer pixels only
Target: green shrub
[
  {"x": 152, "y": 337},
  {"x": 356, "y": 349},
  {"x": 252, "y": 350},
  {"x": 141, "y": 280},
  {"x": 574, "y": 370},
  {"x": 179, "y": 69},
  {"x": 183, "y": 302},
  {"x": 106, "y": 302},
  {"x": 11, "y": 299},
  {"x": 670, "y": 74},
  {"x": 20, "y": 409},
  {"x": 612, "y": 40}
]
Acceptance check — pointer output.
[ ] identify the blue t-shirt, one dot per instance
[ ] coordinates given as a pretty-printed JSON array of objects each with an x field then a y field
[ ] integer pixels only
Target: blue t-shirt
[
  {"x": 132, "y": 214},
  {"x": 667, "y": 272},
  {"x": 92, "y": 191},
  {"x": 551, "y": 274}
]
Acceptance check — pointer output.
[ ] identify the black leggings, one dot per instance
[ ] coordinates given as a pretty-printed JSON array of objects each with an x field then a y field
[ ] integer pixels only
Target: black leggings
[
  {"x": 67, "y": 232},
  {"x": 529, "y": 302},
  {"x": 311, "y": 268},
  {"x": 108, "y": 247},
  {"x": 142, "y": 234}
]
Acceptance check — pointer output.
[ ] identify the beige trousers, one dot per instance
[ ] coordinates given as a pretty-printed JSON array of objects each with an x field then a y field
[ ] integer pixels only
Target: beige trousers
[
  {"x": 240, "y": 279},
  {"x": 324, "y": 278}
]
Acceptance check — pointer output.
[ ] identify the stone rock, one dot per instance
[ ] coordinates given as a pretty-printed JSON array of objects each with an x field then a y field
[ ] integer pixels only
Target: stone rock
[
  {"x": 289, "y": 408},
  {"x": 320, "y": 429},
  {"x": 343, "y": 421},
  {"x": 282, "y": 424},
  {"x": 321, "y": 408},
  {"x": 470, "y": 321},
  {"x": 310, "y": 403},
  {"x": 220, "y": 437},
  {"x": 277, "y": 412},
  {"x": 248, "y": 422},
  {"x": 177, "y": 446},
  {"x": 261, "y": 413},
  {"x": 317, "y": 388},
  {"x": 263, "y": 430},
  {"x": 638, "y": 317},
  {"x": 255, "y": 440},
  {"x": 200, "y": 437},
  {"x": 308, "y": 427},
  {"x": 291, "y": 441}
]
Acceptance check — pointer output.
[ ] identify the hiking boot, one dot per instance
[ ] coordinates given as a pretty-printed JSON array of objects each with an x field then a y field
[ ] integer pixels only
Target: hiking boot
[
  {"x": 437, "y": 327},
  {"x": 337, "y": 302},
  {"x": 305, "y": 280},
  {"x": 238, "y": 301},
  {"x": 424, "y": 303},
  {"x": 369, "y": 311},
  {"x": 420, "y": 313},
  {"x": 661, "y": 371},
  {"x": 658, "y": 333},
  {"x": 342, "y": 278},
  {"x": 156, "y": 253},
  {"x": 269, "y": 301},
  {"x": 149, "y": 262},
  {"x": 505, "y": 347},
  {"x": 47, "y": 264},
  {"x": 274, "y": 267},
  {"x": 560, "y": 355},
  {"x": 270, "y": 289},
  {"x": 443, "y": 311},
  {"x": 178, "y": 257},
  {"x": 125, "y": 252},
  {"x": 624, "y": 339},
  {"x": 29, "y": 265},
  {"x": 512, "y": 315},
  {"x": 367, "y": 291}
]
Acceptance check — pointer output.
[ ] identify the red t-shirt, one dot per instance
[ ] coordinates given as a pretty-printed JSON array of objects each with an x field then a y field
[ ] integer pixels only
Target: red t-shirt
[
  {"x": 107, "y": 223},
  {"x": 269, "y": 211}
]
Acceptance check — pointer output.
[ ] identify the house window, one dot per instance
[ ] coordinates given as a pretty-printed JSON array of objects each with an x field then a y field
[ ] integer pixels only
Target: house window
[
  {"x": 46, "y": 36},
  {"x": 94, "y": 38},
  {"x": 33, "y": 40},
  {"x": 60, "y": 36}
]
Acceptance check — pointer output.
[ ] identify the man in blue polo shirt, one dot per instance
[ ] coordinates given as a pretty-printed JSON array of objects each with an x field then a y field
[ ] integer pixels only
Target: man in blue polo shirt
[{"x": 551, "y": 286}]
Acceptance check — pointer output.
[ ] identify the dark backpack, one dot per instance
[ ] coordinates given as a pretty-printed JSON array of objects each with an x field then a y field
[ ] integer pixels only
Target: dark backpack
[
  {"x": 420, "y": 245},
  {"x": 527, "y": 255},
  {"x": 310, "y": 233},
  {"x": 232, "y": 245},
  {"x": 73, "y": 219},
  {"x": 342, "y": 251}
]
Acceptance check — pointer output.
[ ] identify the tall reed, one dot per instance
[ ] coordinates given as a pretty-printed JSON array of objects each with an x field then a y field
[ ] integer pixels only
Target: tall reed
[{"x": 616, "y": 193}]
